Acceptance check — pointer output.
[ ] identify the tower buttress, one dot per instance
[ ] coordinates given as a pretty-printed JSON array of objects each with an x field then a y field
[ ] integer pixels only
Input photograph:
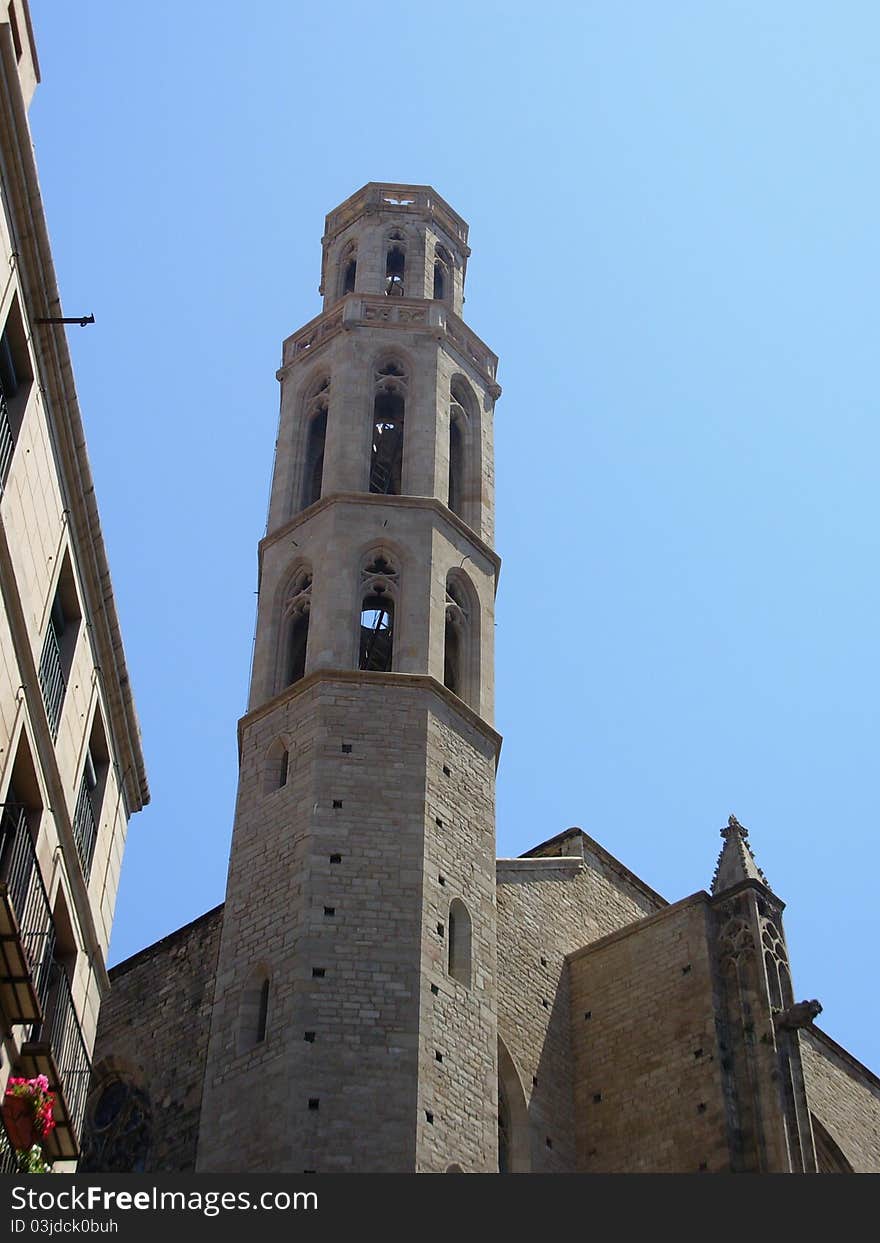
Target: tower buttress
[
  {"x": 355, "y": 1000},
  {"x": 768, "y": 1117}
]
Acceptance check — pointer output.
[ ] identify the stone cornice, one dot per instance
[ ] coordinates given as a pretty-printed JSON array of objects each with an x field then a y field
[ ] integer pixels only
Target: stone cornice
[
  {"x": 360, "y": 677},
  {"x": 422, "y": 315},
  {"x": 374, "y": 498}
]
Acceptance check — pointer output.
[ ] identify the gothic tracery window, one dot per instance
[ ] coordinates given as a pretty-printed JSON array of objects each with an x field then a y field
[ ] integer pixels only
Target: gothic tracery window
[
  {"x": 378, "y": 589},
  {"x": 296, "y": 620},
  {"x": 118, "y": 1130},
  {"x": 389, "y": 408},
  {"x": 395, "y": 264},
  {"x": 316, "y": 408}
]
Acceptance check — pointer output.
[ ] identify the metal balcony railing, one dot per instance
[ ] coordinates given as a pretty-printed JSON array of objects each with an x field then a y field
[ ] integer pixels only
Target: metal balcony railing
[
  {"x": 52, "y": 681},
  {"x": 85, "y": 828},
  {"x": 7, "y": 441},
  {"x": 61, "y": 1030},
  {"x": 24, "y": 885}
]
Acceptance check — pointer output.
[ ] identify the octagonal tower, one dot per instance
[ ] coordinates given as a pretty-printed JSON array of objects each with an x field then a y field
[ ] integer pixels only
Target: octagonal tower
[{"x": 356, "y": 982}]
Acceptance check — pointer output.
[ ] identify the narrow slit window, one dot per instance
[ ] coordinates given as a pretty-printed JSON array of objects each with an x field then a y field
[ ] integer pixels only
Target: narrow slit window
[{"x": 459, "y": 935}]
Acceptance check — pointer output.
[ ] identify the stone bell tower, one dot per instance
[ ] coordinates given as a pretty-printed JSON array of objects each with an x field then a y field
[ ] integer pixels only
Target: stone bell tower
[{"x": 354, "y": 1024}]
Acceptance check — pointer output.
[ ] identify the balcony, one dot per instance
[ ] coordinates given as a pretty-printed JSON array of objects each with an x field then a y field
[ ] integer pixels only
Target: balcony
[
  {"x": 85, "y": 828},
  {"x": 7, "y": 441},
  {"x": 34, "y": 988},
  {"x": 27, "y": 937},
  {"x": 52, "y": 680},
  {"x": 57, "y": 1050}
]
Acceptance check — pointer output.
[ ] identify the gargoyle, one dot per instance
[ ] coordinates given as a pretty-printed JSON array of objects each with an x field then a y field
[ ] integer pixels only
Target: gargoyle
[{"x": 799, "y": 1015}]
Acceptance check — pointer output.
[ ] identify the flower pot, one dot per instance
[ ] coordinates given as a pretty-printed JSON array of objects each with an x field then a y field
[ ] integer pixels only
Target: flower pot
[{"x": 18, "y": 1118}]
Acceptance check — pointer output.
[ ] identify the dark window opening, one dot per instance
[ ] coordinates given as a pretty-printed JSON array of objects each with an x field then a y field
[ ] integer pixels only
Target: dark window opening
[
  {"x": 87, "y": 815},
  {"x": 349, "y": 276},
  {"x": 439, "y": 279},
  {"x": 386, "y": 462},
  {"x": 262, "y": 1013},
  {"x": 299, "y": 638},
  {"x": 58, "y": 646},
  {"x": 454, "y": 643},
  {"x": 313, "y": 474},
  {"x": 283, "y": 768},
  {"x": 16, "y": 37},
  {"x": 377, "y": 632},
  {"x": 15, "y": 378},
  {"x": 395, "y": 269},
  {"x": 456, "y": 464}
]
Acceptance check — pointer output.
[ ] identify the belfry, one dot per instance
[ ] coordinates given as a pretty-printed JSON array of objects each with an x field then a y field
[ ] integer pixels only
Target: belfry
[{"x": 360, "y": 908}]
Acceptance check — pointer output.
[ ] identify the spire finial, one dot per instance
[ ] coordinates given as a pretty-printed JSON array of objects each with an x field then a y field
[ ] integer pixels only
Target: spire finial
[{"x": 736, "y": 862}]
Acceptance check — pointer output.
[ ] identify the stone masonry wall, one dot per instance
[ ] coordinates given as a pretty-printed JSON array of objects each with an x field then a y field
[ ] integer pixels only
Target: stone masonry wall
[
  {"x": 845, "y": 1097},
  {"x": 153, "y": 1033},
  {"x": 549, "y": 907},
  {"x": 647, "y": 1079},
  {"x": 458, "y": 1022}
]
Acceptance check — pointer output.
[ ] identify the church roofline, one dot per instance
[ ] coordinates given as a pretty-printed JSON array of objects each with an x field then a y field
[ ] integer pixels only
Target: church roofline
[
  {"x": 842, "y": 1053},
  {"x": 638, "y": 925},
  {"x": 605, "y": 855},
  {"x": 127, "y": 964}
]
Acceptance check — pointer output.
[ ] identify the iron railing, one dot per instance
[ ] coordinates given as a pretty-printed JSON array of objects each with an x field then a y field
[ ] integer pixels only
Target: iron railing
[
  {"x": 60, "y": 1026},
  {"x": 24, "y": 885},
  {"x": 7, "y": 441},
  {"x": 61, "y": 1030},
  {"x": 52, "y": 680},
  {"x": 85, "y": 829}
]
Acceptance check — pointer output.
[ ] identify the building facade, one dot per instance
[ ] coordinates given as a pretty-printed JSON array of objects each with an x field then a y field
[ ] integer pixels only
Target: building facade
[
  {"x": 376, "y": 982},
  {"x": 71, "y": 764}
]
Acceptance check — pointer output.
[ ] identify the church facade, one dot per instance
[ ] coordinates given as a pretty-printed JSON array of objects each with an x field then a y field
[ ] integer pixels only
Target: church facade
[{"x": 393, "y": 996}]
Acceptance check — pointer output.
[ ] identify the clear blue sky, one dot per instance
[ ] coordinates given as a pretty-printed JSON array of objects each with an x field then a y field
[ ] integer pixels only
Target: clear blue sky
[{"x": 673, "y": 214}]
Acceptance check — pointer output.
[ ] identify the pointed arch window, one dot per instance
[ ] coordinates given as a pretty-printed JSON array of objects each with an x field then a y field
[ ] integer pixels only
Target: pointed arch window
[
  {"x": 395, "y": 264},
  {"x": 379, "y": 580},
  {"x": 316, "y": 408},
  {"x": 457, "y": 421},
  {"x": 461, "y": 654},
  {"x": 389, "y": 409},
  {"x": 348, "y": 269},
  {"x": 277, "y": 766},
  {"x": 464, "y": 452},
  {"x": 442, "y": 273},
  {"x": 254, "y": 1010},
  {"x": 296, "y": 617}
]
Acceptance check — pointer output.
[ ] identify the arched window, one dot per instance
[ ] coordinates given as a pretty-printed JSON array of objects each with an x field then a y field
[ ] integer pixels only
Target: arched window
[
  {"x": 315, "y": 414},
  {"x": 253, "y": 1016},
  {"x": 378, "y": 588},
  {"x": 442, "y": 273},
  {"x": 348, "y": 269},
  {"x": 395, "y": 264},
  {"x": 296, "y": 617},
  {"x": 463, "y": 496},
  {"x": 389, "y": 408},
  {"x": 461, "y": 648},
  {"x": 460, "y": 943},
  {"x": 456, "y": 458},
  {"x": 277, "y": 766}
]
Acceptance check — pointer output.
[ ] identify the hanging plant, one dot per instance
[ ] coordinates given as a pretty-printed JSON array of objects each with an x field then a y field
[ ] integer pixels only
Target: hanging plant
[{"x": 27, "y": 1112}]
